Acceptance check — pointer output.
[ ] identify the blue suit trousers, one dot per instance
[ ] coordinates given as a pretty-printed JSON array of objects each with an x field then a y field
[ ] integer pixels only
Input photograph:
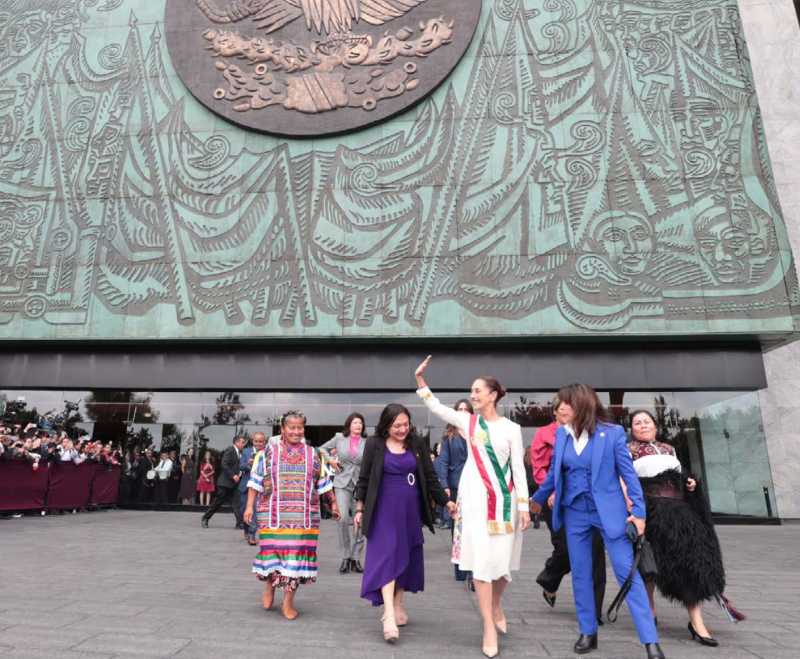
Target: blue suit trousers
[
  {"x": 251, "y": 530},
  {"x": 580, "y": 521}
]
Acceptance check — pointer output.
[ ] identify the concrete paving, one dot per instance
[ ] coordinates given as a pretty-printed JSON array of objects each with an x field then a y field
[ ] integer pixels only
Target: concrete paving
[{"x": 155, "y": 584}]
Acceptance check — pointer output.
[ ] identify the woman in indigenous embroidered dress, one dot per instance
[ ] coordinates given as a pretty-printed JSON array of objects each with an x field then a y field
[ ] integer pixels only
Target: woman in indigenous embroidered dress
[
  {"x": 285, "y": 485},
  {"x": 492, "y": 498},
  {"x": 679, "y": 528}
]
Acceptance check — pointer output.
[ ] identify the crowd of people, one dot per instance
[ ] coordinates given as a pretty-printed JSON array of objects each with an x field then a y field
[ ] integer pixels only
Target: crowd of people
[
  {"x": 39, "y": 447},
  {"x": 599, "y": 491}
]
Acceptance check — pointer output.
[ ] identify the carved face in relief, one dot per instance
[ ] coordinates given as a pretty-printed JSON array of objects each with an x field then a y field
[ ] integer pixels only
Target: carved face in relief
[
  {"x": 701, "y": 123},
  {"x": 313, "y": 67},
  {"x": 725, "y": 249},
  {"x": 627, "y": 240}
]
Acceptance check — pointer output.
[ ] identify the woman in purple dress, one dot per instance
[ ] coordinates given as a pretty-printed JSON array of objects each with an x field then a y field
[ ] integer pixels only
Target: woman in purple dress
[{"x": 393, "y": 495}]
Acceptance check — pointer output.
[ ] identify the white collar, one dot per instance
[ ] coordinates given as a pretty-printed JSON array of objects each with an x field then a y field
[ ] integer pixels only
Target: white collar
[{"x": 584, "y": 435}]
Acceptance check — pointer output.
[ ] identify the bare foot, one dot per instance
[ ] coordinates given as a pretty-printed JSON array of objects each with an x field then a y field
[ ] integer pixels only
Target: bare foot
[
  {"x": 268, "y": 597},
  {"x": 287, "y": 607}
]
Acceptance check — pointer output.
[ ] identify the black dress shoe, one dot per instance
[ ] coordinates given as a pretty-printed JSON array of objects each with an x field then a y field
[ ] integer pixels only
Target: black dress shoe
[
  {"x": 586, "y": 643},
  {"x": 204, "y": 523},
  {"x": 355, "y": 566},
  {"x": 344, "y": 568},
  {"x": 654, "y": 651},
  {"x": 710, "y": 641},
  {"x": 550, "y": 599}
]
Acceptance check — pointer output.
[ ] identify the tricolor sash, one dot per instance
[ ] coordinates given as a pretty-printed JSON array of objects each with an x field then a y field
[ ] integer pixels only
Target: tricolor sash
[{"x": 496, "y": 479}]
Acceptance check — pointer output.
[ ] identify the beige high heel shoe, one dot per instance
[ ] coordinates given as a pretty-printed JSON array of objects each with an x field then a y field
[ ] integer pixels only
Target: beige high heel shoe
[
  {"x": 501, "y": 624},
  {"x": 401, "y": 617},
  {"x": 390, "y": 631}
]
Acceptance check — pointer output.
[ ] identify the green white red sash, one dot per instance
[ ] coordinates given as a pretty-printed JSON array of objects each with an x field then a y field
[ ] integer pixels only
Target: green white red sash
[{"x": 496, "y": 479}]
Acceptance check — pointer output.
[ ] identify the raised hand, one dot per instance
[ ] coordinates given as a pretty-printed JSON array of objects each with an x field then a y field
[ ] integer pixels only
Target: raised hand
[{"x": 421, "y": 370}]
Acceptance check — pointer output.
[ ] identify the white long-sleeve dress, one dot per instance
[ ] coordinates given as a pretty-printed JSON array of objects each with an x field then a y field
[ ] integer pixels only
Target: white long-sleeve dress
[{"x": 489, "y": 557}]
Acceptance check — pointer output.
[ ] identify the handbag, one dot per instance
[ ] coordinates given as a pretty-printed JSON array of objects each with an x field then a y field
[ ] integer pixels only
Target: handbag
[
  {"x": 647, "y": 560},
  {"x": 640, "y": 548}
]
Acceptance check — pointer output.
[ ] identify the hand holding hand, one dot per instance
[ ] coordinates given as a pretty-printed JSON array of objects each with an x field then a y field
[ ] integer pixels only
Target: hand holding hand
[
  {"x": 535, "y": 507},
  {"x": 335, "y": 513},
  {"x": 638, "y": 522},
  {"x": 452, "y": 508},
  {"x": 691, "y": 484}
]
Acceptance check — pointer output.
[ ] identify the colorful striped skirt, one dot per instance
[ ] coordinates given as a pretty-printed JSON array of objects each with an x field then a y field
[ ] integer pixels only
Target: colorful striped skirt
[{"x": 288, "y": 553}]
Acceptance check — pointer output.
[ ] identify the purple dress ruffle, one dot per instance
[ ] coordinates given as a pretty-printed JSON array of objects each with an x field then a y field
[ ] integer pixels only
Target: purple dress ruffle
[{"x": 394, "y": 543}]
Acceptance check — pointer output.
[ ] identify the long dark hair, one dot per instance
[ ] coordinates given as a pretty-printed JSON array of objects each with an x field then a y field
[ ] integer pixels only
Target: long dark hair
[
  {"x": 587, "y": 407},
  {"x": 388, "y": 415},
  {"x": 450, "y": 430},
  {"x": 349, "y": 420}
]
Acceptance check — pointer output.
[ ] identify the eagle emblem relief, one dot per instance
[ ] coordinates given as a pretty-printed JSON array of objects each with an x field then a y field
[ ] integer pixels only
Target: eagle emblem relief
[{"x": 317, "y": 57}]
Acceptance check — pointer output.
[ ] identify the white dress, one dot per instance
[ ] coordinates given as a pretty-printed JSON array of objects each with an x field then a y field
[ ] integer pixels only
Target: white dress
[{"x": 488, "y": 557}]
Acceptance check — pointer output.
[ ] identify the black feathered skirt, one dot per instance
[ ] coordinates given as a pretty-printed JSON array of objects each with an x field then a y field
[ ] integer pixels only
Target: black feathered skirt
[{"x": 684, "y": 542}]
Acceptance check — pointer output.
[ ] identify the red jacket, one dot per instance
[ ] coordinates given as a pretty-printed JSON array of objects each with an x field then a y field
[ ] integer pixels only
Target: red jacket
[{"x": 542, "y": 451}]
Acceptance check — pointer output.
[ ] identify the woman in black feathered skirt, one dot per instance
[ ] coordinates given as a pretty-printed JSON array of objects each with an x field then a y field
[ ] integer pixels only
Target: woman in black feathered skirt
[{"x": 679, "y": 528}]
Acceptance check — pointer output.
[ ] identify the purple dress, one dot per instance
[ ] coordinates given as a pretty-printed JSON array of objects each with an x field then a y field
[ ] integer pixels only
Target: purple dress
[{"x": 394, "y": 544}]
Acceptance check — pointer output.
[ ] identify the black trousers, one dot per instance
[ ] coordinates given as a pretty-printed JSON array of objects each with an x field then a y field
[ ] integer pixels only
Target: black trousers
[
  {"x": 162, "y": 488},
  {"x": 557, "y": 565},
  {"x": 223, "y": 496}
]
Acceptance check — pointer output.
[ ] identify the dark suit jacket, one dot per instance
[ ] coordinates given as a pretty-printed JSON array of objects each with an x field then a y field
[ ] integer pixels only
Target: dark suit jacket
[
  {"x": 371, "y": 475},
  {"x": 229, "y": 467}
]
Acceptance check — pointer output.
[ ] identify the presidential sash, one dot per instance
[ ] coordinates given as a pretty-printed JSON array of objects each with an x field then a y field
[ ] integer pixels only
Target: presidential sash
[{"x": 496, "y": 479}]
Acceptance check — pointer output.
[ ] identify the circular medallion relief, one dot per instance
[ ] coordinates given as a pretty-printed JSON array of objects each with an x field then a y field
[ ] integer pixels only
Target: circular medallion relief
[{"x": 314, "y": 67}]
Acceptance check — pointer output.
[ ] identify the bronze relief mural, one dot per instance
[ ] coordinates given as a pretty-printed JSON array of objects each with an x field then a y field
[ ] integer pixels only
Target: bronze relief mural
[
  {"x": 273, "y": 65},
  {"x": 589, "y": 168}
]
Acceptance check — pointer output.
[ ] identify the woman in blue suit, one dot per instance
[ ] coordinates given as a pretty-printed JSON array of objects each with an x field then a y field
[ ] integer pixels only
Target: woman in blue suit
[{"x": 590, "y": 459}]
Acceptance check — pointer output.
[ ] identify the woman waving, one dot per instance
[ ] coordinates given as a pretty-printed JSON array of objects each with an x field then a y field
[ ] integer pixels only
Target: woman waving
[{"x": 492, "y": 498}]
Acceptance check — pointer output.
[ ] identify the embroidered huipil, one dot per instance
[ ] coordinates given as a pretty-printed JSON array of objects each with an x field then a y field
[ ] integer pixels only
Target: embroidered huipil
[{"x": 289, "y": 480}]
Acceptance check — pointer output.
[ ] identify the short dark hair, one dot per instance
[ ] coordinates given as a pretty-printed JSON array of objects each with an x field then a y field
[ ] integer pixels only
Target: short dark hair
[
  {"x": 349, "y": 420},
  {"x": 388, "y": 416}
]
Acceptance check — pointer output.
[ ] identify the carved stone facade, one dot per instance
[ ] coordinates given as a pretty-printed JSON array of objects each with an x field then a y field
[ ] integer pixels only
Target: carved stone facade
[{"x": 589, "y": 168}]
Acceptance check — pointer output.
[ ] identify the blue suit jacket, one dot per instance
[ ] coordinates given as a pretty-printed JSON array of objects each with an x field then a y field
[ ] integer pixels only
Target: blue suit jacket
[
  {"x": 451, "y": 461},
  {"x": 244, "y": 467},
  {"x": 611, "y": 461}
]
